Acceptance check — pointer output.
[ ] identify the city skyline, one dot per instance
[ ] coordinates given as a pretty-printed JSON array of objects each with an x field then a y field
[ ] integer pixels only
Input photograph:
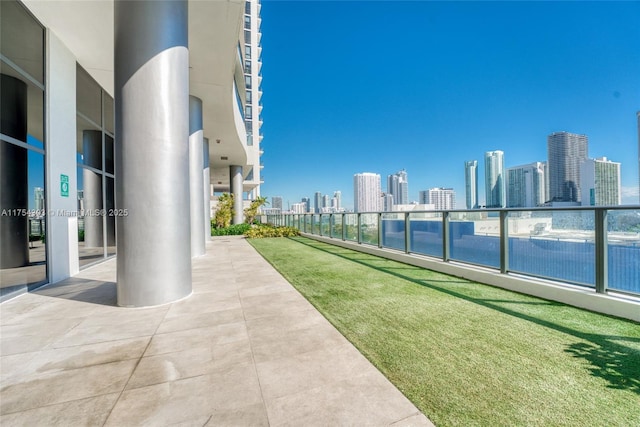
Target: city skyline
[{"x": 508, "y": 87}]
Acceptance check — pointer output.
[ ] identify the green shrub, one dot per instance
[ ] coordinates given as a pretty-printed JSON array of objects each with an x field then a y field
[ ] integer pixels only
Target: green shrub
[
  {"x": 271, "y": 231},
  {"x": 232, "y": 230}
]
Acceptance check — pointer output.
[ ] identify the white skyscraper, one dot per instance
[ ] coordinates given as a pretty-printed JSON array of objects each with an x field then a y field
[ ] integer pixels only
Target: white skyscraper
[
  {"x": 471, "y": 183},
  {"x": 441, "y": 198},
  {"x": 337, "y": 195},
  {"x": 367, "y": 192},
  {"x": 38, "y": 195},
  {"x": 526, "y": 185},
  {"x": 494, "y": 176},
  {"x": 600, "y": 182}
]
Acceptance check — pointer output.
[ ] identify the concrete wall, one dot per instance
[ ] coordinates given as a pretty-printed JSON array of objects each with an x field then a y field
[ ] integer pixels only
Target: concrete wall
[{"x": 62, "y": 227}]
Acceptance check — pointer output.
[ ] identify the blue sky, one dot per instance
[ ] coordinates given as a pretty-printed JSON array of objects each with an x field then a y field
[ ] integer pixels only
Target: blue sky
[{"x": 379, "y": 86}]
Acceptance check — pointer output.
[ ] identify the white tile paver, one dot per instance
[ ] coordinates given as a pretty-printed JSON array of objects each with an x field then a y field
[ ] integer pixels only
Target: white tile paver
[{"x": 244, "y": 349}]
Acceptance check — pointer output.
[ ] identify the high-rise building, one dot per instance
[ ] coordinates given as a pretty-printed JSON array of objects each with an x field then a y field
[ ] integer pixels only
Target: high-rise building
[
  {"x": 471, "y": 183},
  {"x": 398, "y": 187},
  {"x": 526, "y": 185},
  {"x": 387, "y": 202},
  {"x": 566, "y": 152},
  {"x": 38, "y": 198},
  {"x": 337, "y": 195},
  {"x": 299, "y": 208},
  {"x": 326, "y": 201},
  {"x": 276, "y": 202},
  {"x": 317, "y": 202},
  {"x": 440, "y": 198},
  {"x": 367, "y": 192},
  {"x": 307, "y": 202},
  {"x": 600, "y": 182},
  {"x": 494, "y": 177}
]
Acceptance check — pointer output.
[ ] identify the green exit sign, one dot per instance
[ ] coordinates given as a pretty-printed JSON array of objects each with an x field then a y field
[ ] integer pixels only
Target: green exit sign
[{"x": 64, "y": 185}]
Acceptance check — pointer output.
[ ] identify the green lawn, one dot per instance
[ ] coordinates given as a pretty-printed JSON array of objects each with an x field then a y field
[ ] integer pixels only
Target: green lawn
[{"x": 468, "y": 354}]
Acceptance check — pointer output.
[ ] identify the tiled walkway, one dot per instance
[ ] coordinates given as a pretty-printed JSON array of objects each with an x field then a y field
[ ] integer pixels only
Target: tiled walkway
[{"x": 246, "y": 349}]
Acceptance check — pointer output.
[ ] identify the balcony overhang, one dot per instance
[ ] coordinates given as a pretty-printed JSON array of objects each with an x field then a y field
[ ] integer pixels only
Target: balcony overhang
[{"x": 86, "y": 28}]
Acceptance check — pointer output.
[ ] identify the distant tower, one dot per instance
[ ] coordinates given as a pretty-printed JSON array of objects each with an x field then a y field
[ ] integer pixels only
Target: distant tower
[
  {"x": 367, "y": 192},
  {"x": 471, "y": 183},
  {"x": 600, "y": 183},
  {"x": 565, "y": 151},
  {"x": 317, "y": 202},
  {"x": 441, "y": 198},
  {"x": 38, "y": 196},
  {"x": 276, "y": 203},
  {"x": 308, "y": 204},
  {"x": 494, "y": 179},
  {"x": 398, "y": 187},
  {"x": 338, "y": 196},
  {"x": 326, "y": 201},
  {"x": 526, "y": 185}
]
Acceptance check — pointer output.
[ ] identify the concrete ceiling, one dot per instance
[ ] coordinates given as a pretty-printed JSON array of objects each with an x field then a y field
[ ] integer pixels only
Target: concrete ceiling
[{"x": 86, "y": 28}]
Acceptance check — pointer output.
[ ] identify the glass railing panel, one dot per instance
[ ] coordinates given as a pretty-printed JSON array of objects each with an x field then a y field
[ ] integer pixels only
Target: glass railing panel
[
  {"x": 316, "y": 224},
  {"x": 307, "y": 223},
  {"x": 425, "y": 233},
  {"x": 369, "y": 228},
  {"x": 325, "y": 224},
  {"x": 337, "y": 226},
  {"x": 555, "y": 244},
  {"x": 351, "y": 226},
  {"x": 475, "y": 240},
  {"x": 623, "y": 236},
  {"x": 393, "y": 230}
]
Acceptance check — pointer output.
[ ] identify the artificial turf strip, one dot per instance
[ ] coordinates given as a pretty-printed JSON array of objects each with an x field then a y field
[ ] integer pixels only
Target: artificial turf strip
[{"x": 468, "y": 354}]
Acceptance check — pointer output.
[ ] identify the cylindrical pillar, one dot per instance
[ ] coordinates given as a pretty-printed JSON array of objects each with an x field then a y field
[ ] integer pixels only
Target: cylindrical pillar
[
  {"x": 235, "y": 175},
  {"x": 151, "y": 62},
  {"x": 195, "y": 176},
  {"x": 206, "y": 181},
  {"x": 92, "y": 188},
  {"x": 14, "y": 227}
]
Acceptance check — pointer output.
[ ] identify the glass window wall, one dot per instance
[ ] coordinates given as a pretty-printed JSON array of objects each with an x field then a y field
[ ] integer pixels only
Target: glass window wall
[{"x": 23, "y": 251}]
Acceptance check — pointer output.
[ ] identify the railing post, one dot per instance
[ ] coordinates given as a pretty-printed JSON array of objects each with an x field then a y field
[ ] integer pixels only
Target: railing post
[
  {"x": 359, "y": 228},
  {"x": 407, "y": 233},
  {"x": 504, "y": 241},
  {"x": 379, "y": 229},
  {"x": 344, "y": 229},
  {"x": 445, "y": 236},
  {"x": 601, "y": 251},
  {"x": 331, "y": 226},
  {"x": 313, "y": 223}
]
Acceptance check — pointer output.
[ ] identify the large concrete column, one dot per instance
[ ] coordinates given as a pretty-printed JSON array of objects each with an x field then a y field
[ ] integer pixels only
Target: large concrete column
[
  {"x": 206, "y": 183},
  {"x": 195, "y": 175},
  {"x": 92, "y": 188},
  {"x": 151, "y": 64},
  {"x": 236, "y": 179},
  {"x": 14, "y": 244}
]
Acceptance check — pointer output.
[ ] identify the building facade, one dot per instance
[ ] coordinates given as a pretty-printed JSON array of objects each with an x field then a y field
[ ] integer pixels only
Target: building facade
[
  {"x": 565, "y": 153},
  {"x": 471, "y": 183},
  {"x": 276, "y": 203},
  {"x": 526, "y": 185},
  {"x": 94, "y": 131},
  {"x": 494, "y": 178},
  {"x": 398, "y": 187},
  {"x": 367, "y": 192},
  {"x": 440, "y": 198},
  {"x": 600, "y": 183}
]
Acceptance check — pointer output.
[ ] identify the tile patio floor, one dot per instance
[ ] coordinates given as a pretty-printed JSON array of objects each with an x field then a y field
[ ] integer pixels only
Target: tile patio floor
[{"x": 245, "y": 349}]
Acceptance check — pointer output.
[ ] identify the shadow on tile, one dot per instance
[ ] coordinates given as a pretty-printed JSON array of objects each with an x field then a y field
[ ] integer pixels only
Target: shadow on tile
[{"x": 85, "y": 290}]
